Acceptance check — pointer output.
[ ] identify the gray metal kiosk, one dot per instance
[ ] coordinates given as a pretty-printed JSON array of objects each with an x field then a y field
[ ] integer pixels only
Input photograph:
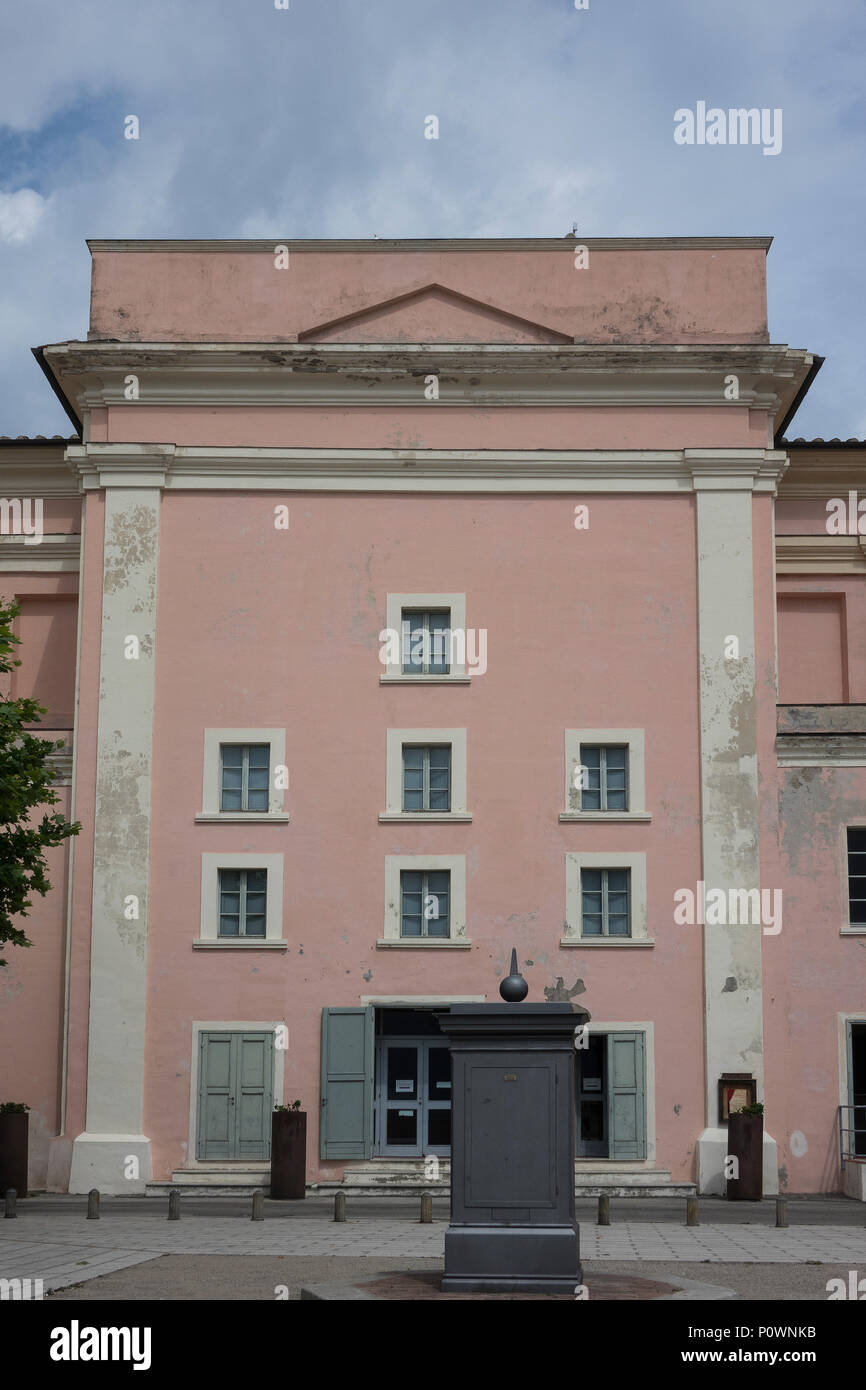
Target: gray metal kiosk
[{"x": 512, "y": 1227}]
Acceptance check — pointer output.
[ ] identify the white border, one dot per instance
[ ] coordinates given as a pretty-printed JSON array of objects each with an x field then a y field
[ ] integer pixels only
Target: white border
[
  {"x": 634, "y": 739},
  {"x": 210, "y": 864},
  {"x": 395, "y": 739},
  {"x": 394, "y": 606},
  {"x": 605, "y": 860},
  {"x": 394, "y": 864},
  {"x": 210, "y": 787}
]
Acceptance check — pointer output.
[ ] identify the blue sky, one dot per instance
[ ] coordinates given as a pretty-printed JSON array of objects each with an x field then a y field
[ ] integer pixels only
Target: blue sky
[{"x": 309, "y": 122}]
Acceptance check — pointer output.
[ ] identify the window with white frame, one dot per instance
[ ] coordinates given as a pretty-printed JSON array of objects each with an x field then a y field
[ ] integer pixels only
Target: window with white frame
[
  {"x": 604, "y": 775},
  {"x": 857, "y": 875},
  {"x": 243, "y": 902},
  {"x": 427, "y": 639},
  {"x": 605, "y": 900},
  {"x": 244, "y": 775},
  {"x": 425, "y": 901},
  {"x": 425, "y": 775},
  {"x": 604, "y": 784}
]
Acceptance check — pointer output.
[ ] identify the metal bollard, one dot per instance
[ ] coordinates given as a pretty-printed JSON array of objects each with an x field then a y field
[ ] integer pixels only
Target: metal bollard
[
  {"x": 258, "y": 1212},
  {"x": 603, "y": 1210},
  {"x": 781, "y": 1211},
  {"x": 93, "y": 1204},
  {"x": 11, "y": 1196},
  {"x": 426, "y": 1208},
  {"x": 174, "y": 1204},
  {"x": 692, "y": 1212},
  {"x": 340, "y": 1206}
]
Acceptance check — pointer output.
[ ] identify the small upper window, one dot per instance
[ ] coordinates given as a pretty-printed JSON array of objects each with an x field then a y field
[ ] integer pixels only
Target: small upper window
[
  {"x": 426, "y": 641},
  {"x": 604, "y": 783},
  {"x": 243, "y": 902},
  {"x": 605, "y": 902},
  {"x": 857, "y": 876},
  {"x": 244, "y": 773},
  {"x": 426, "y": 778}
]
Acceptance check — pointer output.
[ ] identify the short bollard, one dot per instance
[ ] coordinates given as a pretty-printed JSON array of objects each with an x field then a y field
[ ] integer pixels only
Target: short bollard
[
  {"x": 11, "y": 1196},
  {"x": 93, "y": 1204},
  {"x": 340, "y": 1206},
  {"x": 174, "y": 1205},
  {"x": 258, "y": 1213},
  {"x": 426, "y": 1208},
  {"x": 692, "y": 1211},
  {"x": 781, "y": 1211},
  {"x": 603, "y": 1211}
]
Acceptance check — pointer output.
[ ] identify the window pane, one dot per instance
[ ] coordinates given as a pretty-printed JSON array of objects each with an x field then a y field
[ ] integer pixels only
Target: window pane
[
  {"x": 591, "y": 924},
  {"x": 590, "y": 756},
  {"x": 233, "y": 754},
  {"x": 410, "y": 926},
  {"x": 617, "y": 926},
  {"x": 616, "y": 801},
  {"x": 439, "y": 881},
  {"x": 617, "y": 880},
  {"x": 232, "y": 777},
  {"x": 590, "y": 879},
  {"x": 257, "y": 880},
  {"x": 257, "y": 801},
  {"x": 857, "y": 838},
  {"x": 440, "y": 801},
  {"x": 255, "y": 925},
  {"x": 615, "y": 758},
  {"x": 413, "y": 800},
  {"x": 590, "y": 799},
  {"x": 413, "y": 757},
  {"x": 440, "y": 757},
  {"x": 230, "y": 902},
  {"x": 260, "y": 755},
  {"x": 230, "y": 880},
  {"x": 410, "y": 880},
  {"x": 229, "y": 925},
  {"x": 255, "y": 905},
  {"x": 230, "y": 800}
]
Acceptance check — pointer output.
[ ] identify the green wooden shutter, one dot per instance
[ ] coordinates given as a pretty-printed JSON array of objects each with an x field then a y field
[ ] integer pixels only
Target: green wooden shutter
[
  {"x": 626, "y": 1095},
  {"x": 347, "y": 1083},
  {"x": 254, "y": 1095}
]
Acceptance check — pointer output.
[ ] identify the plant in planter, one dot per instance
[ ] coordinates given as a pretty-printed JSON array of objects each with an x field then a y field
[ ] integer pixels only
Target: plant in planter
[
  {"x": 746, "y": 1146},
  {"x": 13, "y": 1146},
  {"x": 288, "y": 1152}
]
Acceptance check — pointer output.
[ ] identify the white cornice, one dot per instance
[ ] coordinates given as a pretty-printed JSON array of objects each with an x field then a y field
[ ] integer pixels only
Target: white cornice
[
  {"x": 472, "y": 375},
  {"x": 53, "y": 554},
  {"x": 821, "y": 750},
  {"x": 379, "y": 244},
  {"x": 820, "y": 554},
  {"x": 425, "y": 470},
  {"x": 825, "y": 473}
]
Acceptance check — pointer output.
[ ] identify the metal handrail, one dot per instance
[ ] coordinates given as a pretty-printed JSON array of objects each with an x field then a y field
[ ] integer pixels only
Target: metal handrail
[{"x": 852, "y": 1137}]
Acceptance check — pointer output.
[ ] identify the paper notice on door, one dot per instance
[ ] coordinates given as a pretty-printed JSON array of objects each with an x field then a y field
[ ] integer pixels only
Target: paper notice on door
[
  {"x": 405, "y": 1114},
  {"x": 404, "y": 1087}
]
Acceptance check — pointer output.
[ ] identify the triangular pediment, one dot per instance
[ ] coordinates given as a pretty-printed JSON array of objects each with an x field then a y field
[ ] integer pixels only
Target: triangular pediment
[{"x": 432, "y": 314}]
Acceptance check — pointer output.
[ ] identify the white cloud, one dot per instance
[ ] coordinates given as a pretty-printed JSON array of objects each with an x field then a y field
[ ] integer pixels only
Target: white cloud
[{"x": 20, "y": 214}]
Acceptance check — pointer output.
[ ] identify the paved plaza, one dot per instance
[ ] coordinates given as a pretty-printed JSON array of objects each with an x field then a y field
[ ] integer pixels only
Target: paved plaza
[{"x": 52, "y": 1240}]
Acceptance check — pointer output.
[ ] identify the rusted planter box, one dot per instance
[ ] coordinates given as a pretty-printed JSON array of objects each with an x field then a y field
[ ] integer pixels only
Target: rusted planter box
[
  {"x": 288, "y": 1154},
  {"x": 746, "y": 1144},
  {"x": 14, "y": 1130}
]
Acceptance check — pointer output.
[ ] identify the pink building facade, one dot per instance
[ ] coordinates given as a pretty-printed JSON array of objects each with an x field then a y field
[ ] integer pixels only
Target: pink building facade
[{"x": 404, "y": 602}]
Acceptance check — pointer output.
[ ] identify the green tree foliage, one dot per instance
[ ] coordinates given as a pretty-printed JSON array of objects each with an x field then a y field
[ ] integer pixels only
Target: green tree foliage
[{"x": 25, "y": 783}]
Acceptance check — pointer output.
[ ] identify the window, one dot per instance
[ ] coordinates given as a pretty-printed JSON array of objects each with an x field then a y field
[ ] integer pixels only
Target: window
[
  {"x": 426, "y": 642},
  {"x": 243, "y": 900},
  {"x": 604, "y": 782},
  {"x": 426, "y": 778},
  {"x": 424, "y": 902},
  {"x": 605, "y": 902},
  {"x": 425, "y": 775},
  {"x": 857, "y": 876},
  {"x": 244, "y": 775},
  {"x": 604, "y": 775},
  {"x": 241, "y": 903}
]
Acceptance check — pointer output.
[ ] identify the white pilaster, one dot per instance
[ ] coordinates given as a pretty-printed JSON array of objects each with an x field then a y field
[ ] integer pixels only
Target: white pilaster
[{"x": 114, "y": 1154}]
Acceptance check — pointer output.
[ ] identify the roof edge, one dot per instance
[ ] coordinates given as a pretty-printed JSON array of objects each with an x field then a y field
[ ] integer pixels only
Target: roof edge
[{"x": 662, "y": 243}]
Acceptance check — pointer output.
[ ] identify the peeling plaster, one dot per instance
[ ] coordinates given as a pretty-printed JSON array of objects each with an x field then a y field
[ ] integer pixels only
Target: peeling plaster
[{"x": 558, "y": 994}]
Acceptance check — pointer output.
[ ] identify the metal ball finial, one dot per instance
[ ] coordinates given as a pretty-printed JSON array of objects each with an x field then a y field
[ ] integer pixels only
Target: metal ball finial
[{"x": 513, "y": 988}]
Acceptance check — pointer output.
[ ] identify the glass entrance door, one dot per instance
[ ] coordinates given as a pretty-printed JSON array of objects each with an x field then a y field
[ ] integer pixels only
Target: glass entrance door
[
  {"x": 591, "y": 1099},
  {"x": 413, "y": 1097}
]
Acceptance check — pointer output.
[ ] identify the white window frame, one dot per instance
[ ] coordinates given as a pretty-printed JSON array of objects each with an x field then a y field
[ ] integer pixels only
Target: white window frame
[
  {"x": 395, "y": 740},
  {"x": 634, "y": 740},
  {"x": 211, "y": 790},
  {"x": 395, "y": 603},
  {"x": 574, "y": 863},
  {"x": 849, "y": 928},
  {"x": 209, "y": 938},
  {"x": 455, "y": 864}
]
